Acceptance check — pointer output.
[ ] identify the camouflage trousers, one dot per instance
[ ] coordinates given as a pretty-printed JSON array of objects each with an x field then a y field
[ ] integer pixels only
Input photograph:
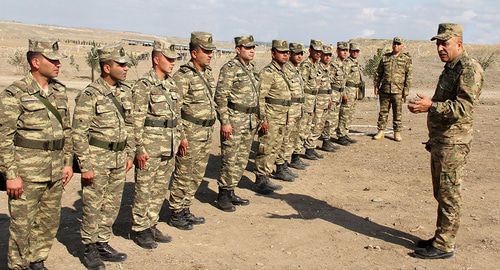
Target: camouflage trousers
[
  {"x": 236, "y": 151},
  {"x": 101, "y": 203},
  {"x": 386, "y": 102},
  {"x": 269, "y": 146},
  {"x": 347, "y": 111},
  {"x": 292, "y": 134},
  {"x": 151, "y": 186},
  {"x": 34, "y": 220},
  {"x": 332, "y": 117},
  {"x": 304, "y": 125},
  {"x": 321, "y": 108},
  {"x": 188, "y": 174},
  {"x": 447, "y": 168}
]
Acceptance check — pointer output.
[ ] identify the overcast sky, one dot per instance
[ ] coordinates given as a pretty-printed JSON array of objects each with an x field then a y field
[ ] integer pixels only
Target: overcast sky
[{"x": 293, "y": 20}]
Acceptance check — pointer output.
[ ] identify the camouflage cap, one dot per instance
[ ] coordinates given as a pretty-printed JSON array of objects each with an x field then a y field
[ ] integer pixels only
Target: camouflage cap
[
  {"x": 327, "y": 49},
  {"x": 203, "y": 39},
  {"x": 165, "y": 48},
  {"x": 48, "y": 48},
  {"x": 114, "y": 52},
  {"x": 316, "y": 44},
  {"x": 354, "y": 46},
  {"x": 280, "y": 45},
  {"x": 296, "y": 47},
  {"x": 397, "y": 40},
  {"x": 245, "y": 41},
  {"x": 448, "y": 30},
  {"x": 342, "y": 45}
]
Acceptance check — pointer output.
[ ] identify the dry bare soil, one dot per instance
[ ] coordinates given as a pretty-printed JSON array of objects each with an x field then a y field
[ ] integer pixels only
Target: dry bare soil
[{"x": 362, "y": 207}]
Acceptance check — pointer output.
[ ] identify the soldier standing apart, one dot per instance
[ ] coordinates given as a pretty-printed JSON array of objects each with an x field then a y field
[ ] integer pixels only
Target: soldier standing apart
[
  {"x": 354, "y": 83},
  {"x": 449, "y": 120},
  {"x": 392, "y": 81},
  {"x": 103, "y": 144},
  {"x": 196, "y": 86},
  {"x": 156, "y": 111},
  {"x": 293, "y": 145},
  {"x": 274, "y": 102},
  {"x": 237, "y": 107},
  {"x": 36, "y": 154},
  {"x": 339, "y": 69},
  {"x": 309, "y": 69}
]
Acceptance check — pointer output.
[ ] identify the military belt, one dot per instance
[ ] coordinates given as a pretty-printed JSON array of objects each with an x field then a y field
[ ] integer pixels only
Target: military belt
[
  {"x": 278, "y": 101},
  {"x": 298, "y": 100},
  {"x": 197, "y": 121},
  {"x": 169, "y": 123},
  {"x": 325, "y": 92},
  {"x": 242, "y": 108},
  {"x": 310, "y": 91},
  {"x": 351, "y": 84},
  {"x": 113, "y": 146},
  {"x": 337, "y": 88},
  {"x": 36, "y": 144}
]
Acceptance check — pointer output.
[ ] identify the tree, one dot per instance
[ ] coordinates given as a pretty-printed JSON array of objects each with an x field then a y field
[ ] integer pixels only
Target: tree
[
  {"x": 486, "y": 60},
  {"x": 92, "y": 61},
  {"x": 18, "y": 59},
  {"x": 73, "y": 63},
  {"x": 371, "y": 65}
]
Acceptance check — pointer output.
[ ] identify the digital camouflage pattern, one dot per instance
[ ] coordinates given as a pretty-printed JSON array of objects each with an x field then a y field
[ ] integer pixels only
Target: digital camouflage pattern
[
  {"x": 353, "y": 84},
  {"x": 450, "y": 133},
  {"x": 97, "y": 116},
  {"x": 274, "y": 85},
  {"x": 157, "y": 100},
  {"x": 238, "y": 85},
  {"x": 338, "y": 76},
  {"x": 24, "y": 115},
  {"x": 196, "y": 92},
  {"x": 310, "y": 75},
  {"x": 323, "y": 102}
]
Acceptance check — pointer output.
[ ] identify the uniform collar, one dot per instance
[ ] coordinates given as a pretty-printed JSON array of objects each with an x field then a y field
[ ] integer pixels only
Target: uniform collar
[
  {"x": 153, "y": 77},
  {"x": 276, "y": 65},
  {"x": 35, "y": 87},
  {"x": 452, "y": 64}
]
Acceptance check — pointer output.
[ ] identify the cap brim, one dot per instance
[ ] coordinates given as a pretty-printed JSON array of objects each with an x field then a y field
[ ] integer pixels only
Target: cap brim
[
  {"x": 53, "y": 56},
  {"x": 297, "y": 51},
  {"x": 249, "y": 44},
  {"x": 317, "y": 48},
  {"x": 122, "y": 60},
  {"x": 171, "y": 55},
  {"x": 208, "y": 48},
  {"x": 441, "y": 37}
]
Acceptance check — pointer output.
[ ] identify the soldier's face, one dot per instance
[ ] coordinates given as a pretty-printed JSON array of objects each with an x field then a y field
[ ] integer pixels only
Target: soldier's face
[
  {"x": 47, "y": 67},
  {"x": 450, "y": 49},
  {"x": 314, "y": 54},
  {"x": 326, "y": 58},
  {"x": 280, "y": 56},
  {"x": 296, "y": 58},
  {"x": 342, "y": 54},
  {"x": 165, "y": 64},
  {"x": 117, "y": 71},
  {"x": 397, "y": 48},
  {"x": 354, "y": 54},
  {"x": 246, "y": 53},
  {"x": 202, "y": 57}
]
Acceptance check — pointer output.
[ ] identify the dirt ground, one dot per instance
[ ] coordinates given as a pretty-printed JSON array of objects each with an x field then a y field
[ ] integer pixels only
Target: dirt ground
[{"x": 362, "y": 207}]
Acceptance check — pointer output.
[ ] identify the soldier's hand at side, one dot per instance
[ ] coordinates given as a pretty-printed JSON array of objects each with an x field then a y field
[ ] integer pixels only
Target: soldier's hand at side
[
  {"x": 88, "y": 176},
  {"x": 226, "y": 130},
  {"x": 420, "y": 105},
  {"x": 264, "y": 127},
  {"x": 345, "y": 99},
  {"x": 128, "y": 165},
  {"x": 183, "y": 147},
  {"x": 141, "y": 160},
  {"x": 375, "y": 91},
  {"x": 67, "y": 174},
  {"x": 15, "y": 187}
]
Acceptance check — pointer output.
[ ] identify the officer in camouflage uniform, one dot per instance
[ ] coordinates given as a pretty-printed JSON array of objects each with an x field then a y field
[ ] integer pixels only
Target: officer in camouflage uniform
[
  {"x": 103, "y": 143},
  {"x": 309, "y": 69},
  {"x": 354, "y": 83},
  {"x": 36, "y": 154},
  {"x": 449, "y": 121},
  {"x": 196, "y": 86},
  {"x": 237, "y": 100},
  {"x": 339, "y": 69},
  {"x": 156, "y": 111},
  {"x": 392, "y": 81},
  {"x": 274, "y": 102},
  {"x": 293, "y": 144},
  {"x": 323, "y": 100}
]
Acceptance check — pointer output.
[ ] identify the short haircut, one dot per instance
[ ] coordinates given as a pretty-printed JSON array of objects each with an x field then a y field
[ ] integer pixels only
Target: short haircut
[
  {"x": 153, "y": 54},
  {"x": 31, "y": 55},
  {"x": 107, "y": 62},
  {"x": 193, "y": 47}
]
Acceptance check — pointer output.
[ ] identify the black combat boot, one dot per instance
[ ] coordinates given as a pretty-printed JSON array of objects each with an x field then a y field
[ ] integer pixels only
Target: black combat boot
[
  {"x": 37, "y": 266},
  {"x": 327, "y": 146},
  {"x": 342, "y": 140},
  {"x": 178, "y": 220},
  {"x": 159, "y": 237},
  {"x": 261, "y": 185},
  {"x": 224, "y": 201},
  {"x": 109, "y": 254},
  {"x": 310, "y": 154},
  {"x": 282, "y": 174},
  {"x": 297, "y": 163},
  {"x": 192, "y": 218},
  {"x": 431, "y": 252},
  {"x": 425, "y": 243},
  {"x": 287, "y": 169},
  {"x": 91, "y": 258},
  {"x": 145, "y": 239},
  {"x": 237, "y": 200}
]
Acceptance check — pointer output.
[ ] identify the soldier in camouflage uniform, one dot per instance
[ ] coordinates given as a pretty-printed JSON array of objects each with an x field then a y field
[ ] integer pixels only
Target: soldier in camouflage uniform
[
  {"x": 449, "y": 121},
  {"x": 103, "y": 144},
  {"x": 339, "y": 69},
  {"x": 196, "y": 86},
  {"x": 237, "y": 100},
  {"x": 309, "y": 69},
  {"x": 353, "y": 84},
  {"x": 392, "y": 81},
  {"x": 36, "y": 154},
  {"x": 156, "y": 111},
  {"x": 274, "y": 102},
  {"x": 293, "y": 144}
]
